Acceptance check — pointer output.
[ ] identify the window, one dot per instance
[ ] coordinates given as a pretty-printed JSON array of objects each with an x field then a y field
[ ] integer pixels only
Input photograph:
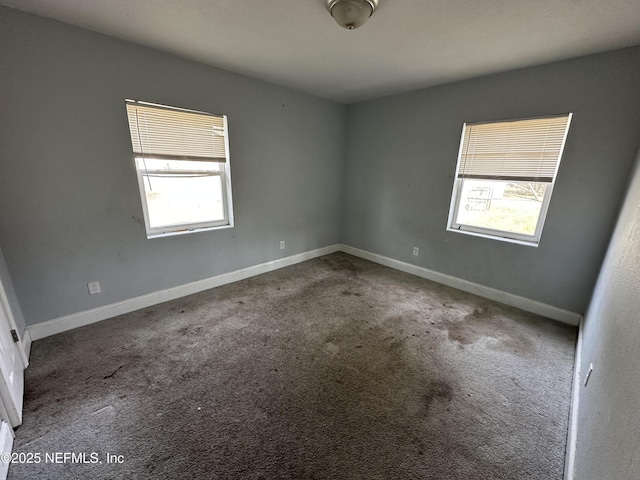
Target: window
[
  {"x": 182, "y": 162},
  {"x": 505, "y": 176}
]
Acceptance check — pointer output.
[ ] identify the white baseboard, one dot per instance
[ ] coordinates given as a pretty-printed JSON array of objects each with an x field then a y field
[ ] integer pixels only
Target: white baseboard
[
  {"x": 510, "y": 299},
  {"x": 87, "y": 317},
  {"x": 572, "y": 435}
]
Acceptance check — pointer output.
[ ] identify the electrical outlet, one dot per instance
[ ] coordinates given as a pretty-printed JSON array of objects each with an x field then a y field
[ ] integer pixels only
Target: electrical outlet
[
  {"x": 281, "y": 244},
  {"x": 416, "y": 251},
  {"x": 589, "y": 372},
  {"x": 94, "y": 287}
]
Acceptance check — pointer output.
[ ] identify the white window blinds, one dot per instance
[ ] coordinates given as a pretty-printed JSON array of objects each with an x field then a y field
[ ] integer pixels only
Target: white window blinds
[
  {"x": 167, "y": 133},
  {"x": 519, "y": 150}
]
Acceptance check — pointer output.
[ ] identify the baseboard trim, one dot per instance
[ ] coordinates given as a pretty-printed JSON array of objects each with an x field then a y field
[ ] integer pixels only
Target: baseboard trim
[
  {"x": 510, "y": 299},
  {"x": 87, "y": 317},
  {"x": 572, "y": 434}
]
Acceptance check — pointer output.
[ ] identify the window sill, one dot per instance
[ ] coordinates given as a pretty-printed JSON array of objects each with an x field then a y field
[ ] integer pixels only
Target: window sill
[
  {"x": 528, "y": 243},
  {"x": 187, "y": 231}
]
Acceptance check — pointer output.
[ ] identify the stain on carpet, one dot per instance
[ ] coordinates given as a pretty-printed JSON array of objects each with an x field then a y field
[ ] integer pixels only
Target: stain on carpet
[
  {"x": 438, "y": 390},
  {"x": 487, "y": 323}
]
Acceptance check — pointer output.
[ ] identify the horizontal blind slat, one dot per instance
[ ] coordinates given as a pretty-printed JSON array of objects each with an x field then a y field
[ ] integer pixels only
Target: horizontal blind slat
[{"x": 191, "y": 158}]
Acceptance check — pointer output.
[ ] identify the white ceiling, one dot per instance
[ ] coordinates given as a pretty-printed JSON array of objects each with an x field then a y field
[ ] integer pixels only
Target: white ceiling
[{"x": 407, "y": 44}]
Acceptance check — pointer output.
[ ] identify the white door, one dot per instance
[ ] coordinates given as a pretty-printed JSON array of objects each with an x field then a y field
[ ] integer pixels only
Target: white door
[
  {"x": 6, "y": 444},
  {"x": 11, "y": 366}
]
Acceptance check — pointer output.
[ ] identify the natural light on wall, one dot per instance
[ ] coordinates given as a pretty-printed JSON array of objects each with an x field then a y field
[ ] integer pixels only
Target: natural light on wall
[
  {"x": 505, "y": 176},
  {"x": 182, "y": 162}
]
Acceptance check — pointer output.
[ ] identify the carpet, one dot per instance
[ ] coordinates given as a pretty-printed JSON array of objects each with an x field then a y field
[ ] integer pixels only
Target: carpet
[{"x": 335, "y": 368}]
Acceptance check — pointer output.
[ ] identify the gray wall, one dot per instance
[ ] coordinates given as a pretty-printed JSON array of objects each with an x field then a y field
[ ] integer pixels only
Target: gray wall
[
  {"x": 70, "y": 207},
  {"x": 608, "y": 416},
  {"x": 14, "y": 305},
  {"x": 401, "y": 160}
]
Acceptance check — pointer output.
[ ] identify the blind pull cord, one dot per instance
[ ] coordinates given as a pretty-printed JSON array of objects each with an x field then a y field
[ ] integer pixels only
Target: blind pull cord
[{"x": 144, "y": 162}]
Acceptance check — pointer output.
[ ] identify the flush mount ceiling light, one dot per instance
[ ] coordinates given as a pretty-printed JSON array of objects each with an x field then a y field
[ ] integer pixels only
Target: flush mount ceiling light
[{"x": 351, "y": 14}]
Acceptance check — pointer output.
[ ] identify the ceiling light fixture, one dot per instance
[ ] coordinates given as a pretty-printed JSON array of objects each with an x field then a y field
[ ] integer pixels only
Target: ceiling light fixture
[{"x": 351, "y": 14}]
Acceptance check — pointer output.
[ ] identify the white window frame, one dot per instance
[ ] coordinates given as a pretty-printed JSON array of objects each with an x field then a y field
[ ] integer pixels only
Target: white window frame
[
  {"x": 186, "y": 227},
  {"x": 224, "y": 173},
  {"x": 513, "y": 237}
]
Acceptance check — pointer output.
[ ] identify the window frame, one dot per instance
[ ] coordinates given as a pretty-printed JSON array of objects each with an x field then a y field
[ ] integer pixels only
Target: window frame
[
  {"x": 185, "y": 227},
  {"x": 502, "y": 235},
  {"x": 224, "y": 173}
]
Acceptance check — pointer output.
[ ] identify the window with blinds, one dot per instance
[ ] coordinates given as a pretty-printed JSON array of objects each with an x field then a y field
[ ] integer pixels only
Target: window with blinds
[
  {"x": 505, "y": 176},
  {"x": 182, "y": 163}
]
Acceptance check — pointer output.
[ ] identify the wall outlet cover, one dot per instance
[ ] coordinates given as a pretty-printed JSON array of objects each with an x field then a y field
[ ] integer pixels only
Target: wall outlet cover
[
  {"x": 588, "y": 376},
  {"x": 94, "y": 287}
]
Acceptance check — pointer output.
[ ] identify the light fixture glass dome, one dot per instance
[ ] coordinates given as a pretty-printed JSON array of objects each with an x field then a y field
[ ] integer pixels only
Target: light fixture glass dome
[{"x": 351, "y": 14}]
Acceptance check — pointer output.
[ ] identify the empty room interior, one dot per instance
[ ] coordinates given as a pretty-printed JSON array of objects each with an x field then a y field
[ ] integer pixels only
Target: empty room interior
[{"x": 320, "y": 239}]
